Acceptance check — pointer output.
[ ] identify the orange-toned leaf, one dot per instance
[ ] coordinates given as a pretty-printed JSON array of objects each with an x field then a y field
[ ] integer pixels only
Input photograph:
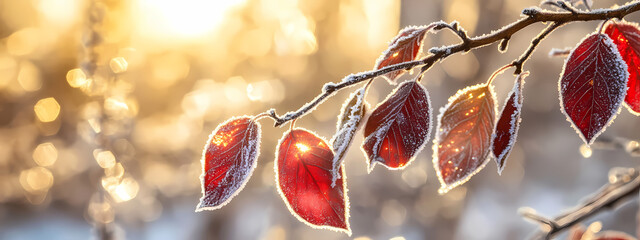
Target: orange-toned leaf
[
  {"x": 303, "y": 174},
  {"x": 403, "y": 48},
  {"x": 228, "y": 160},
  {"x": 398, "y": 128},
  {"x": 463, "y": 139}
]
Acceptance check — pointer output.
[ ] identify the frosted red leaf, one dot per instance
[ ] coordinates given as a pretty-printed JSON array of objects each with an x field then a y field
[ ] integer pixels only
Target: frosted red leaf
[
  {"x": 593, "y": 85},
  {"x": 403, "y": 48},
  {"x": 350, "y": 119},
  {"x": 463, "y": 139},
  {"x": 506, "y": 131},
  {"x": 228, "y": 160},
  {"x": 398, "y": 128},
  {"x": 303, "y": 175},
  {"x": 626, "y": 36}
]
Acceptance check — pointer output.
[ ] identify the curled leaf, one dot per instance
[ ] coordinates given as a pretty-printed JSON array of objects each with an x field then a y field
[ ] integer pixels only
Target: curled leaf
[
  {"x": 352, "y": 112},
  {"x": 403, "y": 48},
  {"x": 504, "y": 136},
  {"x": 303, "y": 175},
  {"x": 398, "y": 128},
  {"x": 626, "y": 36},
  {"x": 592, "y": 86},
  {"x": 228, "y": 160},
  {"x": 463, "y": 139}
]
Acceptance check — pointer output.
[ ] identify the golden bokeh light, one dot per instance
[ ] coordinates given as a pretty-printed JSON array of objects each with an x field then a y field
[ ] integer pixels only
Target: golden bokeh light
[
  {"x": 181, "y": 19},
  {"x": 29, "y": 77},
  {"x": 118, "y": 65},
  {"x": 36, "y": 179},
  {"x": 117, "y": 171},
  {"x": 47, "y": 109},
  {"x": 126, "y": 190},
  {"x": 23, "y": 42},
  {"x": 45, "y": 154},
  {"x": 76, "y": 78},
  {"x": 585, "y": 151},
  {"x": 61, "y": 13},
  {"x": 105, "y": 159}
]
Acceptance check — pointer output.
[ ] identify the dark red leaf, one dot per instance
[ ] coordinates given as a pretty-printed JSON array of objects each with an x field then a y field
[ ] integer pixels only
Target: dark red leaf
[
  {"x": 403, "y": 48},
  {"x": 352, "y": 112},
  {"x": 593, "y": 86},
  {"x": 627, "y": 37},
  {"x": 399, "y": 127},
  {"x": 504, "y": 136},
  {"x": 228, "y": 160},
  {"x": 303, "y": 173},
  {"x": 463, "y": 140}
]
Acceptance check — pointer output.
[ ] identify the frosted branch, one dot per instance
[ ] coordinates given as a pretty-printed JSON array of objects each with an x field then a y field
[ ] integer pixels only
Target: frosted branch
[
  {"x": 623, "y": 184},
  {"x": 531, "y": 16}
]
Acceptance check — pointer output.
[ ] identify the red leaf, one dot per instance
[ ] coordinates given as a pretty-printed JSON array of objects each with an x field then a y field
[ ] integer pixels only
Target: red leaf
[
  {"x": 352, "y": 112},
  {"x": 593, "y": 86},
  {"x": 463, "y": 140},
  {"x": 399, "y": 127},
  {"x": 504, "y": 136},
  {"x": 228, "y": 160},
  {"x": 303, "y": 174},
  {"x": 403, "y": 48},
  {"x": 627, "y": 37}
]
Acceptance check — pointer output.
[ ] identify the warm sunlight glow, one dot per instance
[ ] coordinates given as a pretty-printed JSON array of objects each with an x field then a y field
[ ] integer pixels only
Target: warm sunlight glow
[
  {"x": 302, "y": 147},
  {"x": 182, "y": 19}
]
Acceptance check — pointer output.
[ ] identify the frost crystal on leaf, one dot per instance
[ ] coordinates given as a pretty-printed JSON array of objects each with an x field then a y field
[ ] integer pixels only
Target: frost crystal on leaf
[
  {"x": 228, "y": 160},
  {"x": 351, "y": 115},
  {"x": 626, "y": 36},
  {"x": 398, "y": 128},
  {"x": 463, "y": 140},
  {"x": 593, "y": 85},
  {"x": 506, "y": 132},
  {"x": 404, "y": 47},
  {"x": 303, "y": 169}
]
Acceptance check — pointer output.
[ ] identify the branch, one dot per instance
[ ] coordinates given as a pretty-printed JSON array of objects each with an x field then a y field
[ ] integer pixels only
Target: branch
[
  {"x": 532, "y": 15},
  {"x": 534, "y": 43},
  {"x": 623, "y": 183}
]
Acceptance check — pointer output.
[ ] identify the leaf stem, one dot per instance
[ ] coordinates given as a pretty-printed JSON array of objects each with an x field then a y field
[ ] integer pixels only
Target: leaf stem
[{"x": 498, "y": 72}]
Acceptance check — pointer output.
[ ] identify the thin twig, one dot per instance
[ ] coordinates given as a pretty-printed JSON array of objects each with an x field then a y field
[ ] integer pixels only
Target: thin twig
[
  {"x": 534, "y": 43},
  {"x": 532, "y": 15},
  {"x": 624, "y": 183}
]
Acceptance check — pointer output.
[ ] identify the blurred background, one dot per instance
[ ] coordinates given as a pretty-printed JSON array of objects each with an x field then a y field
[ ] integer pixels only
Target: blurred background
[{"x": 105, "y": 107}]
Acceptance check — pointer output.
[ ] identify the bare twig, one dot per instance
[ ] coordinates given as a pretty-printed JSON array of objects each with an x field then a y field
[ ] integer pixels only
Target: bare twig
[
  {"x": 534, "y": 43},
  {"x": 532, "y": 15},
  {"x": 623, "y": 183}
]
